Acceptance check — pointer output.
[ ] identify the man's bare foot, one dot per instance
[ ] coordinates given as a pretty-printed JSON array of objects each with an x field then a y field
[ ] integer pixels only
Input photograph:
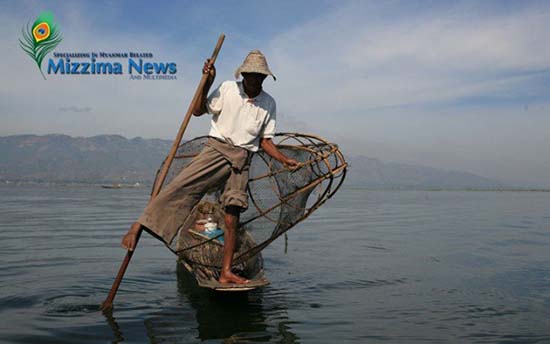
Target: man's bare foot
[
  {"x": 229, "y": 277},
  {"x": 129, "y": 240}
]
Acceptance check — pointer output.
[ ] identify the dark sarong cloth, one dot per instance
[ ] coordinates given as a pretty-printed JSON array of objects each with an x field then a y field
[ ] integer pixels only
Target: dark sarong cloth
[{"x": 216, "y": 164}]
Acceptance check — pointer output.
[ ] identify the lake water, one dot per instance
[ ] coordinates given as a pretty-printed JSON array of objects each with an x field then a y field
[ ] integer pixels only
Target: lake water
[{"x": 369, "y": 266}]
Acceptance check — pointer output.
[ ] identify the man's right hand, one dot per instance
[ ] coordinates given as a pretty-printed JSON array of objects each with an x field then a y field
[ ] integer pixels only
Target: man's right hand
[
  {"x": 209, "y": 69},
  {"x": 200, "y": 106}
]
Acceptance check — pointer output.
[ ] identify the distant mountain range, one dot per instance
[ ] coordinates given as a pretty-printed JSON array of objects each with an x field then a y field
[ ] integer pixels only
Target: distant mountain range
[
  {"x": 115, "y": 159},
  {"x": 97, "y": 159},
  {"x": 374, "y": 173}
]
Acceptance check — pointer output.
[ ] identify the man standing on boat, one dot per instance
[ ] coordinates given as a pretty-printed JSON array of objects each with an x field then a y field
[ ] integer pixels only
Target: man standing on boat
[{"x": 243, "y": 120}]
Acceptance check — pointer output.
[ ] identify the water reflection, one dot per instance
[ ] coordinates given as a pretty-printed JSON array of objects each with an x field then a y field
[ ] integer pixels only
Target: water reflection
[
  {"x": 199, "y": 314},
  {"x": 236, "y": 317},
  {"x": 117, "y": 333}
]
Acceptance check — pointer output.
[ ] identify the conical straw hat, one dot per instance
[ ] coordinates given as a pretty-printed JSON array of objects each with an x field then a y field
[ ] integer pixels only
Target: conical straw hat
[{"x": 254, "y": 62}]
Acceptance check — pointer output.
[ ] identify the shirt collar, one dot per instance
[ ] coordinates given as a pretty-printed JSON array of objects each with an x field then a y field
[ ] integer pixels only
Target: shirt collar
[{"x": 245, "y": 96}]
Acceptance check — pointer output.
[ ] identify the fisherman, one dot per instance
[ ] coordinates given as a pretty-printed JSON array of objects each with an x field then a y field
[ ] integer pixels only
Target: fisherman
[{"x": 243, "y": 119}]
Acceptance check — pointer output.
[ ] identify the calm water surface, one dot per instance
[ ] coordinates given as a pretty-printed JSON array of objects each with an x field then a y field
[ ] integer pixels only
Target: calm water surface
[{"x": 369, "y": 266}]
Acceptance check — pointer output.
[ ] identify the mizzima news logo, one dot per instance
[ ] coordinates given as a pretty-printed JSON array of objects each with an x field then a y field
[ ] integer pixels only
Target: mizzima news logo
[{"x": 43, "y": 36}]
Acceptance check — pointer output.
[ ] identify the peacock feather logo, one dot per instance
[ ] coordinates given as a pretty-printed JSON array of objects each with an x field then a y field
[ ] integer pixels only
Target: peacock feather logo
[{"x": 40, "y": 38}]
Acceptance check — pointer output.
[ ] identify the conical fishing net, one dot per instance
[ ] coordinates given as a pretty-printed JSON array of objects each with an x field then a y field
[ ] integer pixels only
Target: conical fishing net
[{"x": 279, "y": 198}]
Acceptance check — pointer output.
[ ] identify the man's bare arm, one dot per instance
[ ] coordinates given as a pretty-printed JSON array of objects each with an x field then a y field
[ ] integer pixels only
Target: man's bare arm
[
  {"x": 200, "y": 106},
  {"x": 269, "y": 147}
]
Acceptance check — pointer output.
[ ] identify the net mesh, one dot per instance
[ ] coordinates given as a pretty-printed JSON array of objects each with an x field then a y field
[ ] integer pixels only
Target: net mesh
[{"x": 279, "y": 198}]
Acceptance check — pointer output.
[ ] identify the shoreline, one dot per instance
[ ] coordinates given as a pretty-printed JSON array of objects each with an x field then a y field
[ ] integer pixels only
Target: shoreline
[{"x": 129, "y": 185}]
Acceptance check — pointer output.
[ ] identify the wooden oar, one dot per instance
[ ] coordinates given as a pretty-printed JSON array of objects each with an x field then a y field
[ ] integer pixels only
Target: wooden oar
[{"x": 108, "y": 303}]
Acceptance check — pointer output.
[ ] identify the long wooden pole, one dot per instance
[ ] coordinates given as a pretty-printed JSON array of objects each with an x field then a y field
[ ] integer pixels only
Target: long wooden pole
[{"x": 108, "y": 303}]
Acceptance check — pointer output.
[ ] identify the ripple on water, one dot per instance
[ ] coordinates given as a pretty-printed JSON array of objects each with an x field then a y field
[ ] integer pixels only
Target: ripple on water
[
  {"x": 14, "y": 302},
  {"x": 70, "y": 305},
  {"x": 360, "y": 284}
]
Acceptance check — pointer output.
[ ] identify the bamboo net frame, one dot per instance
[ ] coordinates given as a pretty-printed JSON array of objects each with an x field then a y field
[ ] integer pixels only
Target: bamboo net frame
[{"x": 279, "y": 198}]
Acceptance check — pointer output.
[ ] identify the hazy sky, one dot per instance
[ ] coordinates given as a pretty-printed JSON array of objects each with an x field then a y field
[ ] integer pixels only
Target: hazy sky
[{"x": 457, "y": 85}]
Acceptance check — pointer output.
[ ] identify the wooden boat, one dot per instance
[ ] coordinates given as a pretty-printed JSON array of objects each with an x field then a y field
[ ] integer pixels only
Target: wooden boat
[
  {"x": 120, "y": 186},
  {"x": 112, "y": 186}
]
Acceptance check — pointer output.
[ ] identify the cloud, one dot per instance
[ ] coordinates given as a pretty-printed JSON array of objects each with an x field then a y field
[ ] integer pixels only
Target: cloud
[
  {"x": 355, "y": 62},
  {"x": 73, "y": 108}
]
